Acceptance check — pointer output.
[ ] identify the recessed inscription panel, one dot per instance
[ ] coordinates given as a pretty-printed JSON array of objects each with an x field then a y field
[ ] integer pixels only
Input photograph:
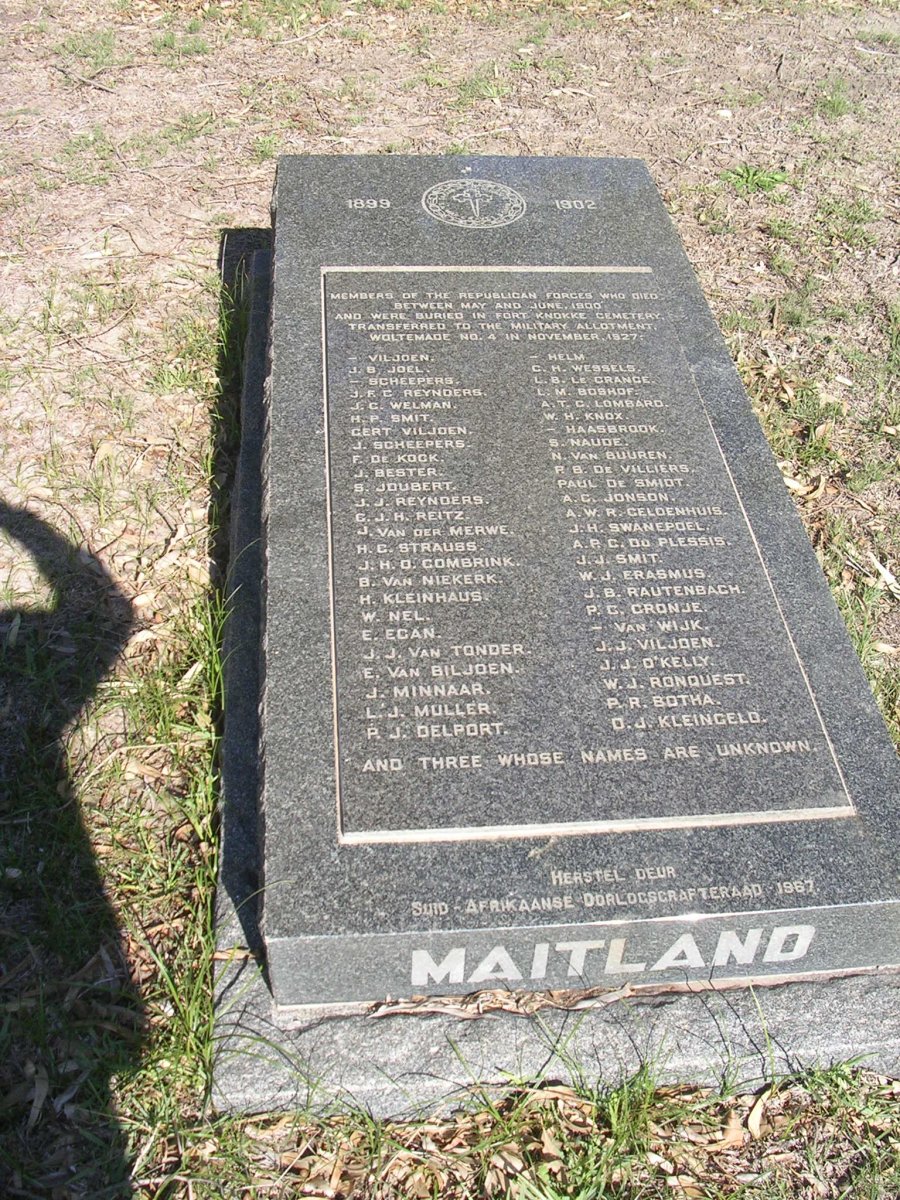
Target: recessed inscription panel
[{"x": 541, "y": 570}]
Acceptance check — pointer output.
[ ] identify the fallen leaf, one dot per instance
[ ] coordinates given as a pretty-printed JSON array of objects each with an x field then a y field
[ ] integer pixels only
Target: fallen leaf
[
  {"x": 755, "y": 1116},
  {"x": 41, "y": 1088},
  {"x": 888, "y": 576},
  {"x": 550, "y": 1147},
  {"x": 104, "y": 450},
  {"x": 732, "y": 1135},
  {"x": 508, "y": 1159},
  {"x": 688, "y": 1185},
  {"x": 657, "y": 1160}
]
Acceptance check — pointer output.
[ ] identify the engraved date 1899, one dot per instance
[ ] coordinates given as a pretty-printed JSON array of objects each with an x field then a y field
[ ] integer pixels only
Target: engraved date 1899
[{"x": 365, "y": 202}]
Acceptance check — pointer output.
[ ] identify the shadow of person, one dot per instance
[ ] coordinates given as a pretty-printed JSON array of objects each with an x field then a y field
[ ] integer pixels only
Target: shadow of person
[{"x": 69, "y": 1016}]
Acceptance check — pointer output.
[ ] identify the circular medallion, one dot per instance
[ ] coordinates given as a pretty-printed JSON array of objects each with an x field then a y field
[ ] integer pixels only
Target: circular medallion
[{"x": 473, "y": 203}]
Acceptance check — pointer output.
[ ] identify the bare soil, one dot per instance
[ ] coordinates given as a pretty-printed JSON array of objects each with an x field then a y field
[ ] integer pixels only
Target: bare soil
[
  {"x": 135, "y": 132},
  {"x": 122, "y": 167}
]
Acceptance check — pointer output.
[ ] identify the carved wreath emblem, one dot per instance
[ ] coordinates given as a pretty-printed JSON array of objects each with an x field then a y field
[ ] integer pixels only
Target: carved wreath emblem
[{"x": 474, "y": 203}]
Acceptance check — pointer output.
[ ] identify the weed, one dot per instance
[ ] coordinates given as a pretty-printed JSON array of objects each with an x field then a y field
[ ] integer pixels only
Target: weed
[
  {"x": 834, "y": 100},
  {"x": 861, "y": 600},
  {"x": 748, "y": 180},
  {"x": 90, "y": 300},
  {"x": 783, "y": 264},
  {"x": 186, "y": 367},
  {"x": 189, "y": 126},
  {"x": 485, "y": 84},
  {"x": 557, "y": 68},
  {"x": 355, "y": 90},
  {"x": 353, "y": 33},
  {"x": 737, "y": 322},
  {"x": 713, "y": 215},
  {"x": 798, "y": 419},
  {"x": 545, "y": 1141},
  {"x": 96, "y": 299},
  {"x": 259, "y": 19},
  {"x": 873, "y": 471},
  {"x": 540, "y": 32},
  {"x": 251, "y": 21},
  {"x": 152, "y": 833}
]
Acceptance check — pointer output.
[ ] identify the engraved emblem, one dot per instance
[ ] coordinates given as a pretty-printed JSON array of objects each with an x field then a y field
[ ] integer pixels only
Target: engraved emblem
[{"x": 473, "y": 203}]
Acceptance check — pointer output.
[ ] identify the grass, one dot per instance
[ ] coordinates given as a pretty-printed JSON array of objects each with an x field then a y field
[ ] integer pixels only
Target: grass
[
  {"x": 783, "y": 229},
  {"x": 174, "y": 48},
  {"x": 821, "y": 451},
  {"x": 879, "y": 37},
  {"x": 799, "y": 307},
  {"x": 96, "y": 49},
  {"x": 735, "y": 97},
  {"x": 834, "y": 99},
  {"x": 485, "y": 84},
  {"x": 88, "y": 158},
  {"x": 119, "y": 427},
  {"x": 845, "y": 222},
  {"x": 549, "y": 1141},
  {"x": 88, "y": 1024},
  {"x": 265, "y": 147},
  {"x": 862, "y": 599}
]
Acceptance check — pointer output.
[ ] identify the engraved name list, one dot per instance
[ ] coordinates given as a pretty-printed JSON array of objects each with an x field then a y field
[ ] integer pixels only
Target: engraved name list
[{"x": 533, "y": 536}]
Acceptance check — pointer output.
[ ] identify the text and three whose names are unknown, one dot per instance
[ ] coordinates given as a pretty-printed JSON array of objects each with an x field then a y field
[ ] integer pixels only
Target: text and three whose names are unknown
[{"x": 426, "y": 684}]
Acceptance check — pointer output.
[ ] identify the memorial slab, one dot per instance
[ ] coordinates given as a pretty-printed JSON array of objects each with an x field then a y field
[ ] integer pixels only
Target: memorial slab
[{"x": 554, "y": 694}]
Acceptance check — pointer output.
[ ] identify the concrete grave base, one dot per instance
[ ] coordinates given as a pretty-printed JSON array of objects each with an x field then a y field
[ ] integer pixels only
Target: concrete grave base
[
  {"x": 407, "y": 1065},
  {"x": 398, "y": 1066}
]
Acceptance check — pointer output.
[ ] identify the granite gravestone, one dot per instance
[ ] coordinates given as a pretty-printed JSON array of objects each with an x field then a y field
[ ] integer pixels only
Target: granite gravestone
[{"x": 554, "y": 693}]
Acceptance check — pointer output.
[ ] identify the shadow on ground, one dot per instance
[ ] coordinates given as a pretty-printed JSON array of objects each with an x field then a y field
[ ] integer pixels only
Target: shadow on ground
[{"x": 70, "y": 1017}]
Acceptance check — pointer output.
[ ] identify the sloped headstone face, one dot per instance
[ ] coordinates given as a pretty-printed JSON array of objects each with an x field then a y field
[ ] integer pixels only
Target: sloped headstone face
[{"x": 554, "y": 692}]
